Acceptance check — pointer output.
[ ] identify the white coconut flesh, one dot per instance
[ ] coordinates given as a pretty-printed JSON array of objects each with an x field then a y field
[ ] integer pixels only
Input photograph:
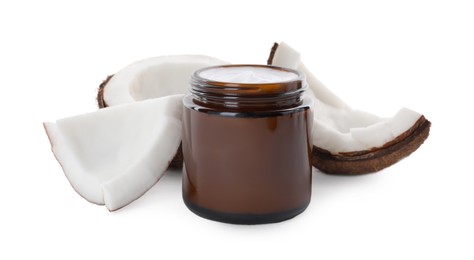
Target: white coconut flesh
[
  {"x": 338, "y": 128},
  {"x": 114, "y": 155},
  {"x": 155, "y": 77}
]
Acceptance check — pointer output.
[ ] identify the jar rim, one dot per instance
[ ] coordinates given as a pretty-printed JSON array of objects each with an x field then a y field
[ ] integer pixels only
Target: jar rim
[{"x": 202, "y": 85}]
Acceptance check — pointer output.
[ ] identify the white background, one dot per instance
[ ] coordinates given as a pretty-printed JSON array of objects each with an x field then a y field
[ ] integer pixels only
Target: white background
[{"x": 378, "y": 56}]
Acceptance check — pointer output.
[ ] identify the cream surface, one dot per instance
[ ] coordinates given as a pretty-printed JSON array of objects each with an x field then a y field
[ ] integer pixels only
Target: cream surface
[{"x": 248, "y": 74}]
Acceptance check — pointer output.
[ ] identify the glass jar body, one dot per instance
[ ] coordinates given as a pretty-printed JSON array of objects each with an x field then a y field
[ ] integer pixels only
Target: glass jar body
[{"x": 247, "y": 166}]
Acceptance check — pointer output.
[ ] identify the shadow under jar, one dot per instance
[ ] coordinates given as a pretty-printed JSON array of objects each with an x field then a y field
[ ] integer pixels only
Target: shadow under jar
[{"x": 247, "y": 144}]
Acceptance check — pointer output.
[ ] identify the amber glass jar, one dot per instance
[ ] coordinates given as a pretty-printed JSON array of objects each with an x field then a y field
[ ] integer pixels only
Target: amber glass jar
[{"x": 247, "y": 144}]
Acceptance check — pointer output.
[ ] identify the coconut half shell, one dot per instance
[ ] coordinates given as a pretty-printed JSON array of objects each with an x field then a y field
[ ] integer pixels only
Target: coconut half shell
[{"x": 350, "y": 142}]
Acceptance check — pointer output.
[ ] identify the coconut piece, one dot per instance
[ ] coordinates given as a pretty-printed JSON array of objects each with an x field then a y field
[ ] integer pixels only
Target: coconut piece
[
  {"x": 152, "y": 78},
  {"x": 114, "y": 155},
  {"x": 348, "y": 141}
]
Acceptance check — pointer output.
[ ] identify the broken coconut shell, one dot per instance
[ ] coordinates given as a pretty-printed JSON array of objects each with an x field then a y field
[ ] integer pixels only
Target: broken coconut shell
[
  {"x": 112, "y": 156},
  {"x": 373, "y": 160},
  {"x": 157, "y": 68},
  {"x": 358, "y": 161}
]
